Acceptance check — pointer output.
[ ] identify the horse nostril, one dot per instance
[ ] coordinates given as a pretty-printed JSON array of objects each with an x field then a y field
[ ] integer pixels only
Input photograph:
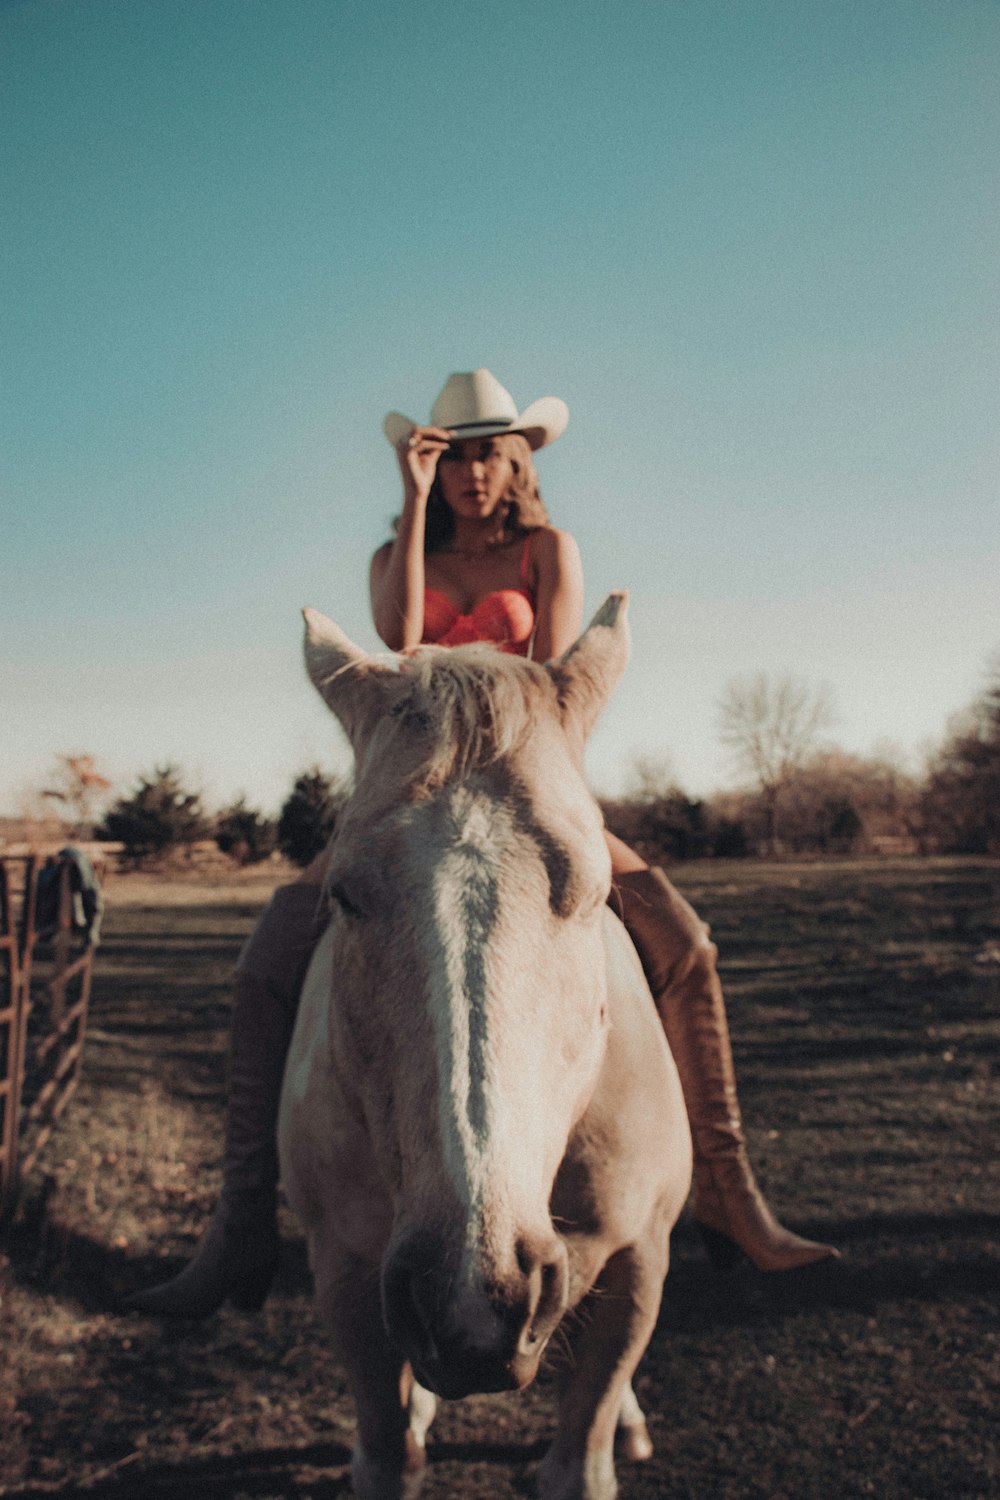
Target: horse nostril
[
  {"x": 423, "y": 1300},
  {"x": 552, "y": 1289},
  {"x": 410, "y": 1300},
  {"x": 547, "y": 1282}
]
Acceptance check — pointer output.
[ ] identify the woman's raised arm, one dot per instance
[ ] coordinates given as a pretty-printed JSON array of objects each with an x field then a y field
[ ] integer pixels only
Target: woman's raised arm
[{"x": 396, "y": 577}]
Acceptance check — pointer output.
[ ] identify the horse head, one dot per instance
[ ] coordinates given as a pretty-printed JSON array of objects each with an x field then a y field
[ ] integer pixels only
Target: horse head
[{"x": 468, "y": 1020}]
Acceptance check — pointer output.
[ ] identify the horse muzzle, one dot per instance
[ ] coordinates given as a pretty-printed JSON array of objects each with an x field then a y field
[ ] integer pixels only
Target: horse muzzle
[{"x": 473, "y": 1329}]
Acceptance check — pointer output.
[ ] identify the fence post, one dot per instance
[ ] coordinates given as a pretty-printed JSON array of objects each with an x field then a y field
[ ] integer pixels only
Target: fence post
[
  {"x": 15, "y": 971},
  {"x": 31, "y": 1105}
]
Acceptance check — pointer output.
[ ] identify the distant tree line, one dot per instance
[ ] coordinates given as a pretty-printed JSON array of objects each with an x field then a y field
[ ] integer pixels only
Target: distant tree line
[
  {"x": 159, "y": 818},
  {"x": 800, "y": 797},
  {"x": 803, "y": 798}
]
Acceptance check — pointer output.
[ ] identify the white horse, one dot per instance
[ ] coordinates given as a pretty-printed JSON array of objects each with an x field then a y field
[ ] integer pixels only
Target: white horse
[{"x": 481, "y": 1123}]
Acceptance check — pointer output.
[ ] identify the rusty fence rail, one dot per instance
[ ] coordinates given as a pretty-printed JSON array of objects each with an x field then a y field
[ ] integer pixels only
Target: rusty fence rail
[{"x": 45, "y": 977}]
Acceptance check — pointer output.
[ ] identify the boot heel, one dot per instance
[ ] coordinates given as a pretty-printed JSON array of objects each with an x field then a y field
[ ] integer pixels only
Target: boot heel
[
  {"x": 250, "y": 1294},
  {"x": 723, "y": 1253}
]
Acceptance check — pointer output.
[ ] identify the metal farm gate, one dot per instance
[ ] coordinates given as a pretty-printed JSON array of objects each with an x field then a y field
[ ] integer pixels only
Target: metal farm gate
[{"x": 46, "y": 961}]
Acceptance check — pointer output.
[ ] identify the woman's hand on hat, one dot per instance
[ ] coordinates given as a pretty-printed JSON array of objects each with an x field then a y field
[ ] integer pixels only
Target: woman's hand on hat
[{"x": 418, "y": 457}]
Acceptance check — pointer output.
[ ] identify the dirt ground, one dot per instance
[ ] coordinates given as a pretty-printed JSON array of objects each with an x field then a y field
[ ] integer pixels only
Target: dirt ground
[{"x": 865, "y": 1008}]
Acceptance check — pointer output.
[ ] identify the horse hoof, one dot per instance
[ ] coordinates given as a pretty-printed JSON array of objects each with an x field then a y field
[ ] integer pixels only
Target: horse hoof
[
  {"x": 372, "y": 1480},
  {"x": 590, "y": 1478},
  {"x": 635, "y": 1443}
]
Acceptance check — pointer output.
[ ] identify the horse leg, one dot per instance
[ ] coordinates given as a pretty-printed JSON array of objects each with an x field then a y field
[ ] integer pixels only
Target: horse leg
[
  {"x": 393, "y": 1412},
  {"x": 619, "y": 1322}
]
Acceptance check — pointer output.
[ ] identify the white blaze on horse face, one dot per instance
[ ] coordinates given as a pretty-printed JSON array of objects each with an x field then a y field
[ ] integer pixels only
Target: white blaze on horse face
[
  {"x": 499, "y": 1119},
  {"x": 461, "y": 888}
]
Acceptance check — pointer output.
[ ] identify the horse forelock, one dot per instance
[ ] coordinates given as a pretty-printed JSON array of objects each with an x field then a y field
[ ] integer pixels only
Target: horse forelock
[{"x": 470, "y": 706}]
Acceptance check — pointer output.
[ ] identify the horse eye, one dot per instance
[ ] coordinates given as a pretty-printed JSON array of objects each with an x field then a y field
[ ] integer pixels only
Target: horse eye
[{"x": 340, "y": 898}]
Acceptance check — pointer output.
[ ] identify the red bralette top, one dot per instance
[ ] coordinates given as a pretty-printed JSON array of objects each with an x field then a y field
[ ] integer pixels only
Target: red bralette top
[{"x": 506, "y": 617}]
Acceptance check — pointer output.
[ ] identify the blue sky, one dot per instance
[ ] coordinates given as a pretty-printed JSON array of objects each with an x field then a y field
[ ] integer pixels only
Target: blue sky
[{"x": 753, "y": 245}]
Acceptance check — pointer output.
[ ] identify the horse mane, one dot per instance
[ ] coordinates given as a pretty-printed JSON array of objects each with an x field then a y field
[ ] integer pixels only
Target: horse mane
[{"x": 474, "y": 704}]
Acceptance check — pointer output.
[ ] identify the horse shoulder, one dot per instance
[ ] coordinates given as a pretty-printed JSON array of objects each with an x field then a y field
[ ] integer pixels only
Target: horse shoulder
[{"x": 628, "y": 1163}]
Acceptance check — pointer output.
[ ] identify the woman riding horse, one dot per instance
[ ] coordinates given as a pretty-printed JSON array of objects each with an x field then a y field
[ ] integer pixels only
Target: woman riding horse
[{"x": 474, "y": 558}]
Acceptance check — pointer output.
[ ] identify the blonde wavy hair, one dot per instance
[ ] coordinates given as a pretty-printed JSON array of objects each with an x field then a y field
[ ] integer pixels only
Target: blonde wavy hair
[{"x": 521, "y": 510}]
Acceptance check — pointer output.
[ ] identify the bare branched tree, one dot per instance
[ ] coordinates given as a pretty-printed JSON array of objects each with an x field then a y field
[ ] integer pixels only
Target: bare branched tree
[
  {"x": 80, "y": 787},
  {"x": 770, "y": 729}
]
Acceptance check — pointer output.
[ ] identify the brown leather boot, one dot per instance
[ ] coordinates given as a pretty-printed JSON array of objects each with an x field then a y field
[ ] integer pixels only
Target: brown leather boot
[
  {"x": 238, "y": 1254},
  {"x": 679, "y": 959}
]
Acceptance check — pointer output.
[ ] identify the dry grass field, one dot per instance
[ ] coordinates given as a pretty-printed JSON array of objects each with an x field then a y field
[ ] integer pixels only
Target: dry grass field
[{"x": 865, "y": 1008}]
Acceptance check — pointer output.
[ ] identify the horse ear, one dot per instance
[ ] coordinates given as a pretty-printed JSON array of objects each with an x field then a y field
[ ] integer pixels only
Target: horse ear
[
  {"x": 586, "y": 675},
  {"x": 346, "y": 678}
]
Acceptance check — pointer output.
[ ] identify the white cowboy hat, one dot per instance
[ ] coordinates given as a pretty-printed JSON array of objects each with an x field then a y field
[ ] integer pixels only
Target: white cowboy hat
[{"x": 475, "y": 404}]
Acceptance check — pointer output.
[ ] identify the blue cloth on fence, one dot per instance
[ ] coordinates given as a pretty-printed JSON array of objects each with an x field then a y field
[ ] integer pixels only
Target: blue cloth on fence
[{"x": 88, "y": 899}]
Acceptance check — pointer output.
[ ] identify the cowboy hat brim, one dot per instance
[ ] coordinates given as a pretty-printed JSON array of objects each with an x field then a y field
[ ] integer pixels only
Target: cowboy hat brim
[{"x": 540, "y": 423}]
